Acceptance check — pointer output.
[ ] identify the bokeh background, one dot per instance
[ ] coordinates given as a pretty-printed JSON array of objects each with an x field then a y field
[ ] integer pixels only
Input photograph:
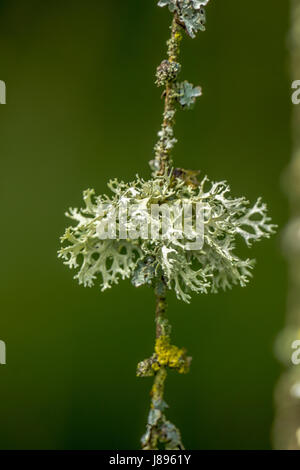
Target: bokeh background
[{"x": 82, "y": 108}]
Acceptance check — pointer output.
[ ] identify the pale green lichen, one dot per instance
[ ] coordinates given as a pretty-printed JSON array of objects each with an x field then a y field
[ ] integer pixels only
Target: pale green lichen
[
  {"x": 187, "y": 94},
  {"x": 190, "y": 13},
  {"x": 215, "y": 266}
]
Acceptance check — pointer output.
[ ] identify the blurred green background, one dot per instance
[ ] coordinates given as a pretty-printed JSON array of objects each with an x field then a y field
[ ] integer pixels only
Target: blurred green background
[{"x": 82, "y": 108}]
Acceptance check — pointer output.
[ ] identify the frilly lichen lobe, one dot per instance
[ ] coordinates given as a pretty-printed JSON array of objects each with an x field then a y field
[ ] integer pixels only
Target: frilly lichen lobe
[
  {"x": 190, "y": 14},
  {"x": 145, "y": 260}
]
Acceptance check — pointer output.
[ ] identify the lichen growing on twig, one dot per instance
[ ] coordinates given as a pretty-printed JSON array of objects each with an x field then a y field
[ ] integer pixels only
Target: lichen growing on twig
[
  {"x": 212, "y": 266},
  {"x": 105, "y": 245}
]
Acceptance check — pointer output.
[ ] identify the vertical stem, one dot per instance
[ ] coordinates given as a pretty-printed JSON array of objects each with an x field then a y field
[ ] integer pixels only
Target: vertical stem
[
  {"x": 164, "y": 162},
  {"x": 160, "y": 313},
  {"x": 163, "y": 148},
  {"x": 159, "y": 430},
  {"x": 157, "y": 392}
]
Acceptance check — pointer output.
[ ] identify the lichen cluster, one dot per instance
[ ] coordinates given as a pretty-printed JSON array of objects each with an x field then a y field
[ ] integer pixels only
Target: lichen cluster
[
  {"x": 146, "y": 260},
  {"x": 190, "y": 13},
  {"x": 165, "y": 355}
]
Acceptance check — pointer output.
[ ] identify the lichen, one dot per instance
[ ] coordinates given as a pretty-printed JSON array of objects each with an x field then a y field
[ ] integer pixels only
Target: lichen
[
  {"x": 170, "y": 356},
  {"x": 187, "y": 94},
  {"x": 212, "y": 267},
  {"x": 165, "y": 355},
  {"x": 105, "y": 253},
  {"x": 190, "y": 13},
  {"x": 167, "y": 71},
  {"x": 159, "y": 430}
]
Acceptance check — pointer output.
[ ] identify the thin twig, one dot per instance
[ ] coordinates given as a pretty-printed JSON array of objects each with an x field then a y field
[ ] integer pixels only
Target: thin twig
[{"x": 163, "y": 158}]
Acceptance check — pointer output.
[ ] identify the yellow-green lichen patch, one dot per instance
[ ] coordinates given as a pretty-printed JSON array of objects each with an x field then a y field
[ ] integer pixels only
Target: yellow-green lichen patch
[{"x": 169, "y": 355}]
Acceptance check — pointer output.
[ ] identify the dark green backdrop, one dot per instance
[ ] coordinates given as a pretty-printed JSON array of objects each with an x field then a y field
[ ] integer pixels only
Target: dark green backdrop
[{"x": 82, "y": 108}]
